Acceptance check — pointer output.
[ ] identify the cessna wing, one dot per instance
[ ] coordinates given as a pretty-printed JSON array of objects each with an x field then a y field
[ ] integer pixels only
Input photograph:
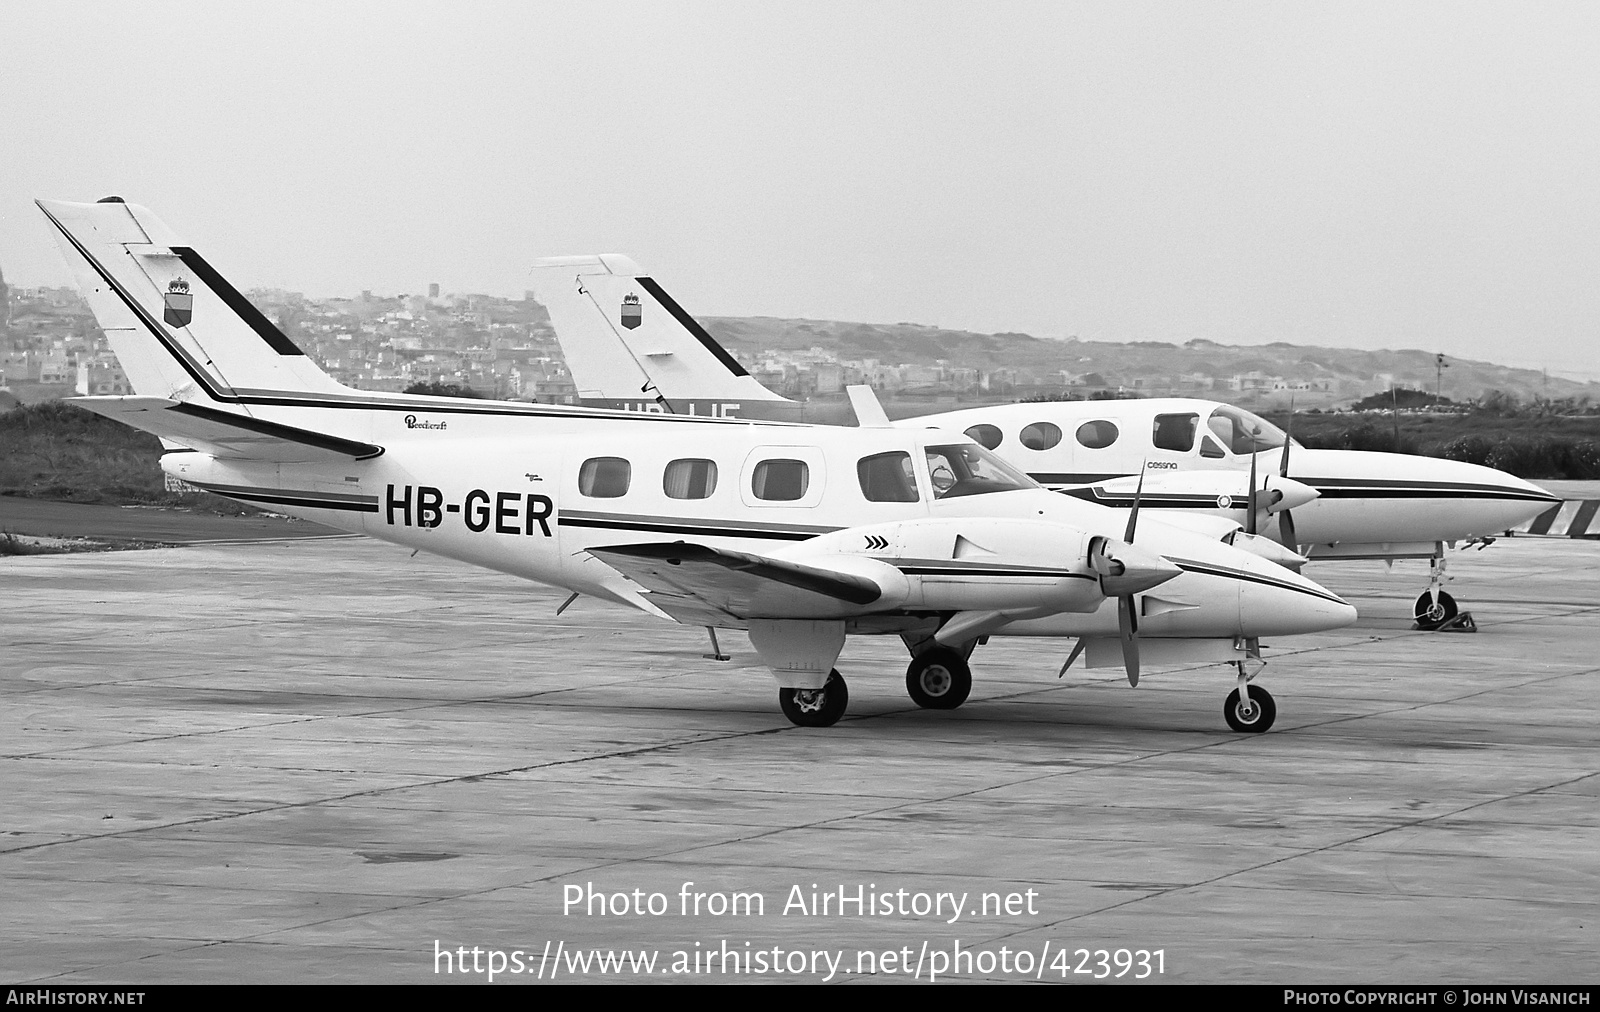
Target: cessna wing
[
  {"x": 227, "y": 434},
  {"x": 698, "y": 585}
]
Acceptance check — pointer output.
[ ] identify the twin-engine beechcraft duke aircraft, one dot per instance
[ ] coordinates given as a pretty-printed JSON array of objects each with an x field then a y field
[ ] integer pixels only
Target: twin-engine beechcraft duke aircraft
[
  {"x": 801, "y": 535},
  {"x": 629, "y": 345}
]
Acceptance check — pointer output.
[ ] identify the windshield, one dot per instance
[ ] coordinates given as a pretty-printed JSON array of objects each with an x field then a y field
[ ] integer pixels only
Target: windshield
[
  {"x": 968, "y": 469},
  {"x": 1242, "y": 432}
]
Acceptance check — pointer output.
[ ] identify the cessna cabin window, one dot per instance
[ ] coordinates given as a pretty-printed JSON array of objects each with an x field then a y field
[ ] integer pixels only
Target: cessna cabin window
[
  {"x": 1040, "y": 436},
  {"x": 604, "y": 477},
  {"x": 1098, "y": 434},
  {"x": 690, "y": 479},
  {"x": 781, "y": 480},
  {"x": 1209, "y": 448},
  {"x": 886, "y": 477},
  {"x": 1175, "y": 432},
  {"x": 969, "y": 469},
  {"x": 986, "y": 436},
  {"x": 1243, "y": 432}
]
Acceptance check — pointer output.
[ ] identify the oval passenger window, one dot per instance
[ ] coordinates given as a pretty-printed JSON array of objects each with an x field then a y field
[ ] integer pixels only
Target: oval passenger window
[
  {"x": 986, "y": 436},
  {"x": 1098, "y": 434},
  {"x": 1040, "y": 436}
]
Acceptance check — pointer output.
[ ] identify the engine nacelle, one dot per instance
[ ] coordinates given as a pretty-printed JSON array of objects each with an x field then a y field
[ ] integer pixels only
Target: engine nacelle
[{"x": 978, "y": 564}]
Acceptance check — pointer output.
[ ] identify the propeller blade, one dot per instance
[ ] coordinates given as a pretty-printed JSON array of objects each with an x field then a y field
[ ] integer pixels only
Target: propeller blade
[
  {"x": 1250, "y": 520},
  {"x": 1128, "y": 626},
  {"x": 1133, "y": 514},
  {"x": 1288, "y": 437},
  {"x": 1286, "y": 536}
]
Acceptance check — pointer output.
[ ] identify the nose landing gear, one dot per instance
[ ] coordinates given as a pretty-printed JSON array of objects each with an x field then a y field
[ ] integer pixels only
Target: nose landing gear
[{"x": 1435, "y": 610}]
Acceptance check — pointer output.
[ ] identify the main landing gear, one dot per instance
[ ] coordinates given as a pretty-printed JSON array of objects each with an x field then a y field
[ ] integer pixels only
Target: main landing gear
[
  {"x": 939, "y": 679},
  {"x": 816, "y": 707}
]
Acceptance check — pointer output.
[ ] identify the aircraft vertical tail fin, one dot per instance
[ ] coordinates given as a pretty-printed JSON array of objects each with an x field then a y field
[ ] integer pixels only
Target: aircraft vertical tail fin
[
  {"x": 179, "y": 329},
  {"x": 625, "y": 339}
]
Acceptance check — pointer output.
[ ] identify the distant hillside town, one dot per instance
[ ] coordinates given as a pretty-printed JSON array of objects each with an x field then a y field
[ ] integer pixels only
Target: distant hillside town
[{"x": 504, "y": 348}]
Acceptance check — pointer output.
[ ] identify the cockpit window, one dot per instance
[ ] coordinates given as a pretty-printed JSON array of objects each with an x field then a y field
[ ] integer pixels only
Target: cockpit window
[
  {"x": 1175, "y": 432},
  {"x": 969, "y": 469},
  {"x": 1243, "y": 432}
]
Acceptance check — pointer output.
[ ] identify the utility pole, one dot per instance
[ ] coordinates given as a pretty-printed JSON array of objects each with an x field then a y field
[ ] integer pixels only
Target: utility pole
[{"x": 1439, "y": 366}]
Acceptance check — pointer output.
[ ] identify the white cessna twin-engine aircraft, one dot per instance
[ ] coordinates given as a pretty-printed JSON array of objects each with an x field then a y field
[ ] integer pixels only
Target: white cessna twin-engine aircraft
[
  {"x": 799, "y": 534},
  {"x": 629, "y": 345}
]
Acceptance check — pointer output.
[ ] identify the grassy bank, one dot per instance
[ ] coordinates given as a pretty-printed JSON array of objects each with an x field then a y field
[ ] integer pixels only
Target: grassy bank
[
  {"x": 57, "y": 451},
  {"x": 1550, "y": 446}
]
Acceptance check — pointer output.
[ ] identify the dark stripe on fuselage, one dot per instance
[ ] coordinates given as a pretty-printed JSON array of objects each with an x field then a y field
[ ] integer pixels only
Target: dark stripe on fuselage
[
  {"x": 1391, "y": 488},
  {"x": 1328, "y": 488},
  {"x": 293, "y": 497},
  {"x": 1122, "y": 500},
  {"x": 1189, "y": 566},
  {"x": 692, "y": 326},
  {"x": 687, "y": 528},
  {"x": 1053, "y": 574},
  {"x": 1059, "y": 478},
  {"x": 275, "y": 338}
]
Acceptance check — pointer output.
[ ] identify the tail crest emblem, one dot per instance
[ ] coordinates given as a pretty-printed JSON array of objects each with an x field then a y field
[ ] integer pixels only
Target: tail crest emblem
[
  {"x": 632, "y": 313},
  {"x": 179, "y": 304}
]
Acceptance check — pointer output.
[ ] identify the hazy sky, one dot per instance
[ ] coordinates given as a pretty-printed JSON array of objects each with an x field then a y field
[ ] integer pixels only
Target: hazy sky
[{"x": 1365, "y": 175}]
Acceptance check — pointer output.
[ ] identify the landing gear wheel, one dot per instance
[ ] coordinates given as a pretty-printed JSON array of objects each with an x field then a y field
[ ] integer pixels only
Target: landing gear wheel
[
  {"x": 816, "y": 707},
  {"x": 1430, "y": 615},
  {"x": 939, "y": 679},
  {"x": 1255, "y": 718}
]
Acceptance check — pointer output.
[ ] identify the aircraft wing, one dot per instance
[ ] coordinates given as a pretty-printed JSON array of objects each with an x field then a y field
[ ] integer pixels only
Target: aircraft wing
[
  {"x": 698, "y": 585},
  {"x": 226, "y": 434}
]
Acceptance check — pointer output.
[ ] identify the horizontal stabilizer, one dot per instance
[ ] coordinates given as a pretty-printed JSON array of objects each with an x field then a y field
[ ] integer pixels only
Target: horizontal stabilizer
[
  {"x": 225, "y": 434},
  {"x": 698, "y": 585}
]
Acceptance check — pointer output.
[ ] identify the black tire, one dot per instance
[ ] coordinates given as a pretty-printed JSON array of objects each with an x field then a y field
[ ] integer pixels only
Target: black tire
[
  {"x": 939, "y": 679},
  {"x": 816, "y": 707},
  {"x": 1265, "y": 711},
  {"x": 1431, "y": 616}
]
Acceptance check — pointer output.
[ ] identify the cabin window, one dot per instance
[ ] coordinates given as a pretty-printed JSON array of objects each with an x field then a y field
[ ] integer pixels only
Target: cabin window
[
  {"x": 886, "y": 477},
  {"x": 986, "y": 436},
  {"x": 1040, "y": 436},
  {"x": 690, "y": 479},
  {"x": 604, "y": 477},
  {"x": 1098, "y": 434},
  {"x": 781, "y": 480},
  {"x": 1175, "y": 432},
  {"x": 1209, "y": 448}
]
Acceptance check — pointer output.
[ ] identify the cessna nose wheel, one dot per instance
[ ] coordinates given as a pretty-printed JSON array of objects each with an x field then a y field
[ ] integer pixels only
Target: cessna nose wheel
[
  {"x": 939, "y": 679},
  {"x": 816, "y": 707}
]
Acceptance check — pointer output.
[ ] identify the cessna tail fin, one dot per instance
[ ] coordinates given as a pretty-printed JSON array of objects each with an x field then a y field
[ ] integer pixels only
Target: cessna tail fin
[
  {"x": 626, "y": 340},
  {"x": 179, "y": 329}
]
